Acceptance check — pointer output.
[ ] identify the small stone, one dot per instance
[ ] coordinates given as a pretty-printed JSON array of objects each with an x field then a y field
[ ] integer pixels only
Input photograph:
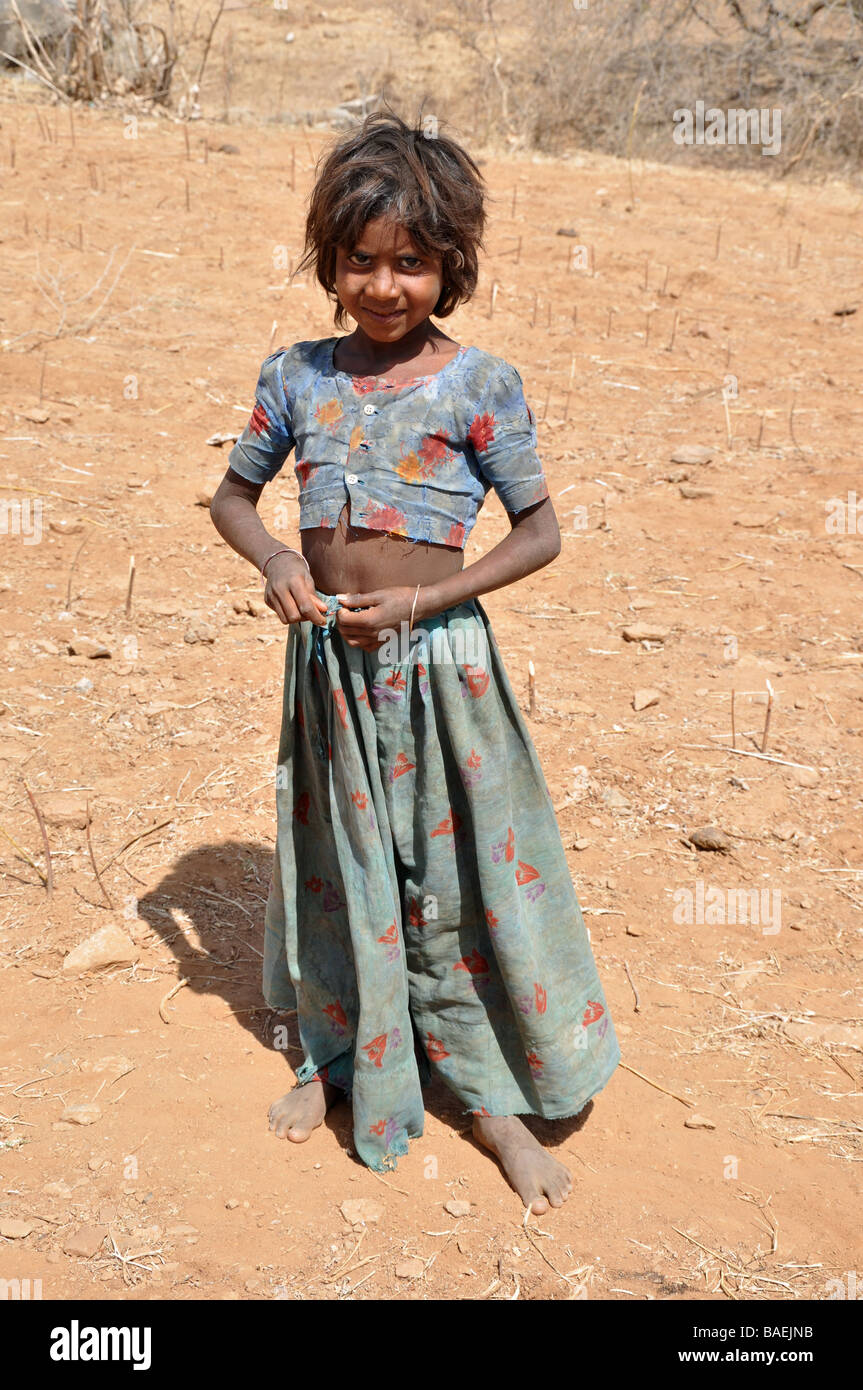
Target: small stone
[
  {"x": 84, "y": 1113},
  {"x": 204, "y": 499},
  {"x": 240, "y": 604},
  {"x": 231, "y": 1204},
  {"x": 581, "y": 844},
  {"x": 805, "y": 776},
  {"x": 14, "y": 1229},
  {"x": 57, "y": 1189},
  {"x": 89, "y": 647},
  {"x": 632, "y": 930},
  {"x": 614, "y": 799},
  {"x": 182, "y": 1229},
  {"x": 412, "y": 1268},
  {"x": 690, "y": 491},
  {"x": 692, "y": 454},
  {"x": 784, "y": 832},
  {"x": 455, "y": 1207},
  {"x": 708, "y": 837},
  {"x": 66, "y": 526},
  {"x": 200, "y": 632},
  {"x": 107, "y": 946},
  {"x": 643, "y": 699},
  {"x": 37, "y": 415},
  {"x": 644, "y": 632},
  {"x": 361, "y": 1211},
  {"x": 85, "y": 685},
  {"x": 698, "y": 1122},
  {"x": 113, "y": 1066},
  {"x": 86, "y": 1242}
]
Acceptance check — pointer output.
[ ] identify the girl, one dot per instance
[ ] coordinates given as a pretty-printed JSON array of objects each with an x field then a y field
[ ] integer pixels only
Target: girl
[{"x": 421, "y": 915}]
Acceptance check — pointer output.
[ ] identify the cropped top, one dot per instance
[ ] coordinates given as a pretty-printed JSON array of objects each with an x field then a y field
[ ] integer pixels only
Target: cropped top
[{"x": 416, "y": 458}]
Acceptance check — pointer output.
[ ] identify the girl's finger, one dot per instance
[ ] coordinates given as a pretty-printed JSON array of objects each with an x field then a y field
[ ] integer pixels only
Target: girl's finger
[{"x": 357, "y": 600}]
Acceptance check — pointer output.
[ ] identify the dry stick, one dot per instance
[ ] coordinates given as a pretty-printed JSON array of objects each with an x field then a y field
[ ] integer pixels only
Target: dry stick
[
  {"x": 791, "y": 425},
  {"x": 531, "y": 689},
  {"x": 494, "y": 289},
  {"x": 163, "y": 1013},
  {"x": 665, "y": 281},
  {"x": 49, "y": 874},
  {"x": 629, "y": 138},
  {"x": 634, "y": 990},
  {"x": 72, "y": 571},
  {"x": 93, "y": 861},
  {"x": 760, "y": 432},
  {"x": 733, "y": 731},
  {"x": 716, "y": 248},
  {"x": 656, "y": 1085},
  {"x": 23, "y": 853},
  {"x": 129, "y": 586},
  {"x": 767, "y": 717},
  {"x": 122, "y": 850},
  {"x": 746, "y": 753},
  {"x": 670, "y": 344}
]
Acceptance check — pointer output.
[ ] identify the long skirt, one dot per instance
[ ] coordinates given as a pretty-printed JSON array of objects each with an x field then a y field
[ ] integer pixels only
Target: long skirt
[{"x": 421, "y": 916}]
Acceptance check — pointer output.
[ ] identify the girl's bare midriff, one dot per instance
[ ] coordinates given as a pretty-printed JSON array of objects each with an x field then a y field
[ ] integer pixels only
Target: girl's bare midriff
[
  {"x": 351, "y": 560},
  {"x": 348, "y": 559}
]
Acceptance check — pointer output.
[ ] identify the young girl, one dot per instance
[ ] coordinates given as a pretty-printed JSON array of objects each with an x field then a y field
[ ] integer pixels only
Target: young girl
[{"x": 421, "y": 915}]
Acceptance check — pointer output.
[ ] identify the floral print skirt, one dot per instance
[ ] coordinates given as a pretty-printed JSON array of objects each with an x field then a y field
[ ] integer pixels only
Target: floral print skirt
[{"x": 421, "y": 915}]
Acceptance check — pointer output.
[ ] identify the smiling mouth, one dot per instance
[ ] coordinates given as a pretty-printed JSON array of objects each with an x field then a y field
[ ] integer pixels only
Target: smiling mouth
[{"x": 391, "y": 314}]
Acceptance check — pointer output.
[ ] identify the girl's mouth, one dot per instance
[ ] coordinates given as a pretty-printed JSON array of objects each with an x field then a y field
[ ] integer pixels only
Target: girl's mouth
[{"x": 385, "y": 318}]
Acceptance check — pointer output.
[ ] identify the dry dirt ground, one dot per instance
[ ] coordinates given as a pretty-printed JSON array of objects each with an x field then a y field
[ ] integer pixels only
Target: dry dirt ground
[{"x": 722, "y": 1159}]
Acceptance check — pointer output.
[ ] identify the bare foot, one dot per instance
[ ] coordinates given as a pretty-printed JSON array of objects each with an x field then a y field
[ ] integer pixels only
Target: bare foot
[
  {"x": 536, "y": 1176},
  {"x": 302, "y": 1110}
]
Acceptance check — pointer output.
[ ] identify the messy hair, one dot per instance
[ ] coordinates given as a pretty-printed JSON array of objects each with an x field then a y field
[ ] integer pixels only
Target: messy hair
[{"x": 418, "y": 177}]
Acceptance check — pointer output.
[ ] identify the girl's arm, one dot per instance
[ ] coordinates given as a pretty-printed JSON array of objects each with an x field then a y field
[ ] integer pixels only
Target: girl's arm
[
  {"x": 533, "y": 543},
  {"x": 290, "y": 591}
]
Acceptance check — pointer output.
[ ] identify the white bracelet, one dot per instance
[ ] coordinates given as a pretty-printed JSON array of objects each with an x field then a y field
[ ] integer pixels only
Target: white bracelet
[
  {"x": 284, "y": 550},
  {"x": 413, "y": 609}
]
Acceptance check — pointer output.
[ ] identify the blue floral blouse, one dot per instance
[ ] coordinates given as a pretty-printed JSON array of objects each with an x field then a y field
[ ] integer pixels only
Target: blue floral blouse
[{"x": 416, "y": 458}]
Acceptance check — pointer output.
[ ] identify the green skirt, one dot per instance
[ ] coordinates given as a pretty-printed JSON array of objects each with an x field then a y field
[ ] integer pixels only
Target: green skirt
[{"x": 421, "y": 915}]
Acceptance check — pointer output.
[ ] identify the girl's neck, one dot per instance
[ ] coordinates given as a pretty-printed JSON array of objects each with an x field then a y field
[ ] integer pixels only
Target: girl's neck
[{"x": 364, "y": 355}]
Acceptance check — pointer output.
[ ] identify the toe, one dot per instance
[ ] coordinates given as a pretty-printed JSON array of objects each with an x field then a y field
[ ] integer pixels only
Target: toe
[{"x": 539, "y": 1206}]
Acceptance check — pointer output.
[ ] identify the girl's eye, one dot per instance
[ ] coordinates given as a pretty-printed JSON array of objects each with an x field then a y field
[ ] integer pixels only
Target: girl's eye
[{"x": 363, "y": 258}]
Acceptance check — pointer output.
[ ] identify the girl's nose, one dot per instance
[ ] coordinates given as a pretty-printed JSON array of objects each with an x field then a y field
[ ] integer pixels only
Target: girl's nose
[{"x": 382, "y": 282}]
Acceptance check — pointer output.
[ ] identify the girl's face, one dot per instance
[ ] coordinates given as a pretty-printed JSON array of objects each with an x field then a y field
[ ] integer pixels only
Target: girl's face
[{"x": 386, "y": 283}]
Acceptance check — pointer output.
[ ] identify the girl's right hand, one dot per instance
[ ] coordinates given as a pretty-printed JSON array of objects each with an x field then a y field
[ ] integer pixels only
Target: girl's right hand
[{"x": 291, "y": 594}]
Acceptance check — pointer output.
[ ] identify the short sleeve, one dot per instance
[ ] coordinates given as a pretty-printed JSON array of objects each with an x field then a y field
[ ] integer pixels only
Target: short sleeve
[
  {"x": 503, "y": 434},
  {"x": 267, "y": 439}
]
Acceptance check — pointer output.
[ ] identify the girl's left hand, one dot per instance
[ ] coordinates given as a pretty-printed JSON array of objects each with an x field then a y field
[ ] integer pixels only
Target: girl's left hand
[{"x": 383, "y": 612}]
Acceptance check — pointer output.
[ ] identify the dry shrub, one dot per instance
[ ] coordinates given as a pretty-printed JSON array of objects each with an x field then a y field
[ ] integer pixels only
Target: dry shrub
[{"x": 93, "y": 50}]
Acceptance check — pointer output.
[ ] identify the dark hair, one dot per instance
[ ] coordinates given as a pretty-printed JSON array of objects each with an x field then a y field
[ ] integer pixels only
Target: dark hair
[{"x": 423, "y": 180}]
